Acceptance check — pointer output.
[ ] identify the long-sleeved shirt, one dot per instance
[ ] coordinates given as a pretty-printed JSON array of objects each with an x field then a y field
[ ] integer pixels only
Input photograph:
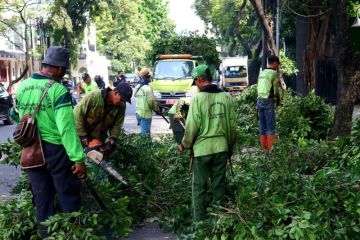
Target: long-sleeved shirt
[
  {"x": 210, "y": 125},
  {"x": 89, "y": 87},
  {"x": 55, "y": 119},
  {"x": 91, "y": 109},
  {"x": 144, "y": 101}
]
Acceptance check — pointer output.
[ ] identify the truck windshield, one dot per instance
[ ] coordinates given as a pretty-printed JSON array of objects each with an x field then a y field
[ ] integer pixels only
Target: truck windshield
[
  {"x": 173, "y": 70},
  {"x": 236, "y": 72}
]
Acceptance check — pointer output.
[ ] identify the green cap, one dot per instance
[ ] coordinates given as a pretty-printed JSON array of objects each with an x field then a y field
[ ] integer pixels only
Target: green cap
[{"x": 201, "y": 71}]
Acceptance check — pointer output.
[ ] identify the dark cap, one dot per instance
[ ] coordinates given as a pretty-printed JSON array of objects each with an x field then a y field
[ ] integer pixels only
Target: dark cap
[
  {"x": 125, "y": 91},
  {"x": 57, "y": 57},
  {"x": 272, "y": 59},
  {"x": 85, "y": 76}
]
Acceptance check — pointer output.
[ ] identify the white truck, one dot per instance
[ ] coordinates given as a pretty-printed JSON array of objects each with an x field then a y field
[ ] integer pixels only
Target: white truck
[{"x": 234, "y": 74}]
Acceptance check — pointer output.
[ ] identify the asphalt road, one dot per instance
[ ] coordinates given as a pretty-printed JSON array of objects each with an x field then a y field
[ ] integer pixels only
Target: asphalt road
[{"x": 9, "y": 175}]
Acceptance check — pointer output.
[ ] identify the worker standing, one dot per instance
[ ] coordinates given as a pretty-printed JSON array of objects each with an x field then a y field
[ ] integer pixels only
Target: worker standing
[
  {"x": 64, "y": 157},
  {"x": 268, "y": 89},
  {"x": 88, "y": 85},
  {"x": 209, "y": 130},
  {"x": 177, "y": 115},
  {"x": 145, "y": 102}
]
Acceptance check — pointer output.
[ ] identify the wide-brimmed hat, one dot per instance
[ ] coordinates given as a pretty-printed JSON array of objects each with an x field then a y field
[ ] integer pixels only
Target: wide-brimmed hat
[
  {"x": 144, "y": 72},
  {"x": 57, "y": 57},
  {"x": 125, "y": 91}
]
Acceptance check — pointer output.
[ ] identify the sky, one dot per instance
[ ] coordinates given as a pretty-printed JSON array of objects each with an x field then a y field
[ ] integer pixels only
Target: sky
[{"x": 181, "y": 12}]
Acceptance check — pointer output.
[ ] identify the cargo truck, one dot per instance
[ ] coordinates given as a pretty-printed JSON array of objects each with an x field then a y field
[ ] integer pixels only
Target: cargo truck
[
  {"x": 234, "y": 74},
  {"x": 172, "y": 78}
]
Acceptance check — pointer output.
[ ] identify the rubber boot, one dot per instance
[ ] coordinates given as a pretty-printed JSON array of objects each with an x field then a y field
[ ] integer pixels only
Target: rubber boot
[
  {"x": 263, "y": 142},
  {"x": 270, "y": 141}
]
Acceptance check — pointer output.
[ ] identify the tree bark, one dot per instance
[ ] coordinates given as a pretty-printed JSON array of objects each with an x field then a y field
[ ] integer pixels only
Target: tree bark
[
  {"x": 266, "y": 24},
  {"x": 255, "y": 64},
  {"x": 348, "y": 70},
  {"x": 253, "y": 52}
]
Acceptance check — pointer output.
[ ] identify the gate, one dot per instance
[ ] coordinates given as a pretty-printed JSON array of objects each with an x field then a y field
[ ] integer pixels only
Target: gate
[{"x": 326, "y": 80}]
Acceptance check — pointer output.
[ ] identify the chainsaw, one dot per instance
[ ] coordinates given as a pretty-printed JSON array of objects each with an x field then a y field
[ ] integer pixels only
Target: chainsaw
[{"x": 96, "y": 155}]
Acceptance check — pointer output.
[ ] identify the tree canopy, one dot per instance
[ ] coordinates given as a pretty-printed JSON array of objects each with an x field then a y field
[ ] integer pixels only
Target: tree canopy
[
  {"x": 127, "y": 29},
  {"x": 193, "y": 44}
]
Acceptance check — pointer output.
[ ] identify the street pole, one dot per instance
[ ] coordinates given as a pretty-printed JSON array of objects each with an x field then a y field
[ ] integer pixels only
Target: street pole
[
  {"x": 278, "y": 27},
  {"x": 264, "y": 57}
]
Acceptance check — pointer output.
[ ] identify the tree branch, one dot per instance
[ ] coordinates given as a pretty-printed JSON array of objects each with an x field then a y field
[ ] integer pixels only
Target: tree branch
[
  {"x": 266, "y": 25},
  {"x": 12, "y": 42},
  {"x": 12, "y": 28},
  {"x": 21, "y": 75},
  {"x": 308, "y": 16}
]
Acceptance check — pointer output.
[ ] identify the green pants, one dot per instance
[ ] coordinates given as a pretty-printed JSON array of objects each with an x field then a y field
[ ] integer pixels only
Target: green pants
[
  {"x": 207, "y": 167},
  {"x": 177, "y": 129}
]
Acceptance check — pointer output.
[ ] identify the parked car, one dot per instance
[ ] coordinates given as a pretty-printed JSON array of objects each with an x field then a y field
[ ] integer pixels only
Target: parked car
[
  {"x": 6, "y": 104},
  {"x": 132, "y": 79}
]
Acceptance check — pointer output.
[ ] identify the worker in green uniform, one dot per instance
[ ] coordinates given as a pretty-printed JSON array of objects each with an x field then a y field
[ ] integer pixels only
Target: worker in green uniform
[
  {"x": 100, "y": 114},
  {"x": 144, "y": 102},
  {"x": 210, "y": 131},
  {"x": 87, "y": 85},
  {"x": 61, "y": 145},
  {"x": 268, "y": 89},
  {"x": 177, "y": 116}
]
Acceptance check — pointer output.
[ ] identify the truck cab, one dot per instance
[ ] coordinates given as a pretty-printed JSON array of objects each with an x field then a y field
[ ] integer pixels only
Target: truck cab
[
  {"x": 234, "y": 74},
  {"x": 172, "y": 78}
]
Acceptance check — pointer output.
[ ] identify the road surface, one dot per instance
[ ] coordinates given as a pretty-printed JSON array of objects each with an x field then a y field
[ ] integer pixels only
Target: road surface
[{"x": 9, "y": 175}]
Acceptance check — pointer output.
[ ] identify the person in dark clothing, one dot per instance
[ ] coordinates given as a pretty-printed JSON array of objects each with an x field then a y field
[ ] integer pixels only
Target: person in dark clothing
[
  {"x": 100, "y": 82},
  {"x": 120, "y": 78},
  {"x": 64, "y": 158},
  {"x": 70, "y": 87}
]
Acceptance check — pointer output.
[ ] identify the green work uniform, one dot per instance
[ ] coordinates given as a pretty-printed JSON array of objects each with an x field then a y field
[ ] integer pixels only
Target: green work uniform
[
  {"x": 268, "y": 84},
  {"x": 92, "y": 86},
  {"x": 55, "y": 119},
  {"x": 210, "y": 130},
  {"x": 144, "y": 101},
  {"x": 179, "y": 109},
  {"x": 94, "y": 118}
]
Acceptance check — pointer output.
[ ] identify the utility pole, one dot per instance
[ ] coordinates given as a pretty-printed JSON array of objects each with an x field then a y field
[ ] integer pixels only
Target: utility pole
[
  {"x": 278, "y": 27},
  {"x": 264, "y": 46}
]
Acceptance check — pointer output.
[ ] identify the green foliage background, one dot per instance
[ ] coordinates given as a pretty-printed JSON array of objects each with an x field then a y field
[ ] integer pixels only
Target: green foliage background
[{"x": 307, "y": 188}]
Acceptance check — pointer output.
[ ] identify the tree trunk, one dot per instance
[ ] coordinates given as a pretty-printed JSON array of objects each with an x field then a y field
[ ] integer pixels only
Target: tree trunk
[
  {"x": 347, "y": 68},
  {"x": 266, "y": 24},
  {"x": 255, "y": 64}
]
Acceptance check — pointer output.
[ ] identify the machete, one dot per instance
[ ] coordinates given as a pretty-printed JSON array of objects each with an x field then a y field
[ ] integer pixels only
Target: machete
[
  {"x": 162, "y": 115},
  {"x": 98, "y": 158}
]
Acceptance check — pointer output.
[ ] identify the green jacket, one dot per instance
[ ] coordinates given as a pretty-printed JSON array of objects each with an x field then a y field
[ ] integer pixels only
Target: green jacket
[
  {"x": 268, "y": 83},
  {"x": 55, "y": 119},
  {"x": 177, "y": 108},
  {"x": 92, "y": 86},
  {"x": 91, "y": 110},
  {"x": 144, "y": 101},
  {"x": 210, "y": 124}
]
